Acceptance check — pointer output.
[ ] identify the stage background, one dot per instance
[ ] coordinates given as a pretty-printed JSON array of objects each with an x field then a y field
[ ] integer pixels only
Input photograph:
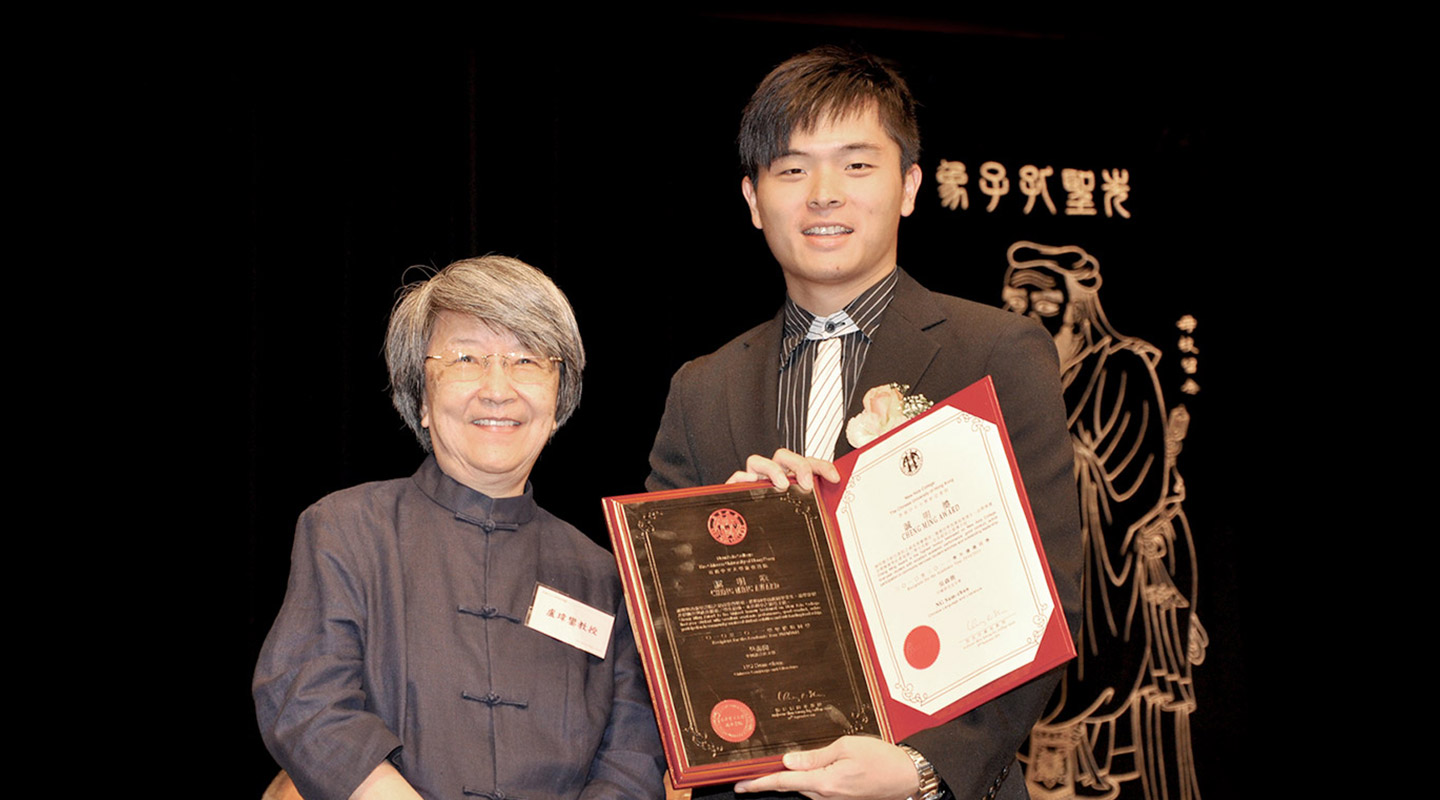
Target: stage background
[{"x": 601, "y": 151}]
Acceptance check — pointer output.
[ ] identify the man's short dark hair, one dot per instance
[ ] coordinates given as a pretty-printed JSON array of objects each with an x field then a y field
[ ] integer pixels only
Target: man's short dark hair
[{"x": 822, "y": 85}]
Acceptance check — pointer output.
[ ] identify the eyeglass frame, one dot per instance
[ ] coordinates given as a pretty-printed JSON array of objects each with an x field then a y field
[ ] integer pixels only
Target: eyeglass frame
[{"x": 506, "y": 363}]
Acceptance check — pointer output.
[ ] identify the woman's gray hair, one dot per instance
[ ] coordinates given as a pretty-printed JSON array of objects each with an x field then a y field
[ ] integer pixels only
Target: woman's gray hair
[{"x": 504, "y": 293}]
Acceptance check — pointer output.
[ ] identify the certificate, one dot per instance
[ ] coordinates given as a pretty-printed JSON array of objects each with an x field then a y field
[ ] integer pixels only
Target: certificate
[
  {"x": 742, "y": 622},
  {"x": 908, "y": 593},
  {"x": 950, "y": 580}
]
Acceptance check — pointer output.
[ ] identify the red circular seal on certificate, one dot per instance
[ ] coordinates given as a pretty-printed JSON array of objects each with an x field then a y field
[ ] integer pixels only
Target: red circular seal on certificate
[
  {"x": 732, "y": 720},
  {"x": 922, "y": 647},
  {"x": 727, "y": 526}
]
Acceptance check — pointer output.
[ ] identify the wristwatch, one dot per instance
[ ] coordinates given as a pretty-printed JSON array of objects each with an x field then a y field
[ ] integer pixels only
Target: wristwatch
[{"x": 929, "y": 781}]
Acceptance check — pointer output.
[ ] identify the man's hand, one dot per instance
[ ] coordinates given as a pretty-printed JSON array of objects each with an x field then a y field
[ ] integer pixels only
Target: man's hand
[
  {"x": 851, "y": 768},
  {"x": 784, "y": 464}
]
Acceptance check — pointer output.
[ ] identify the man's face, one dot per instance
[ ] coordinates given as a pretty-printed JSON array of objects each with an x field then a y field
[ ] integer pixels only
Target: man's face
[{"x": 830, "y": 208}]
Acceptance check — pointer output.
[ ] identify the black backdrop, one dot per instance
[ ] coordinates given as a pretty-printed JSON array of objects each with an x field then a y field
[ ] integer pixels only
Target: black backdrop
[{"x": 602, "y": 152}]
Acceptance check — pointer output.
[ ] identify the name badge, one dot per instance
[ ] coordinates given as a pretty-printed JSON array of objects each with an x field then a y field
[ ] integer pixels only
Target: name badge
[{"x": 562, "y": 617}]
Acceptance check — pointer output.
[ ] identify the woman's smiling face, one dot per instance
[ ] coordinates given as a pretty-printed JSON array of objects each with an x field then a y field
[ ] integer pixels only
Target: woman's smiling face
[{"x": 486, "y": 433}]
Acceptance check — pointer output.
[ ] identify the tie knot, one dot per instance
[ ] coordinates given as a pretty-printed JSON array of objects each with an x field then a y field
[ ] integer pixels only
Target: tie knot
[{"x": 837, "y": 324}]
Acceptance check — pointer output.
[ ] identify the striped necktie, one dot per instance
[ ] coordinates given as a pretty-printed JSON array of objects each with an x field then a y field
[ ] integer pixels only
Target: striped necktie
[{"x": 823, "y": 413}]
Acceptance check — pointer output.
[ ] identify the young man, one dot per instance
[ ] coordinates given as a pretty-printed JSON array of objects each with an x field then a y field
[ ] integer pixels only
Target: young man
[{"x": 830, "y": 148}]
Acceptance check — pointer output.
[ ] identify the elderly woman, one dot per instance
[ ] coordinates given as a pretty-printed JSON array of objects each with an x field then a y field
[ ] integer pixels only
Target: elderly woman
[{"x": 442, "y": 635}]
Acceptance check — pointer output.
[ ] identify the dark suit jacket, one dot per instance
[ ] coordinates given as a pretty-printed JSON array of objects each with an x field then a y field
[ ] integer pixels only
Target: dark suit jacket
[{"x": 721, "y": 409}]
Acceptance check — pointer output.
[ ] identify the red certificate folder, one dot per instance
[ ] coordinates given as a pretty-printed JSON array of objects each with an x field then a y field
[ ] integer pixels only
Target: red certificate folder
[
  {"x": 1056, "y": 645},
  {"x": 752, "y": 628}
]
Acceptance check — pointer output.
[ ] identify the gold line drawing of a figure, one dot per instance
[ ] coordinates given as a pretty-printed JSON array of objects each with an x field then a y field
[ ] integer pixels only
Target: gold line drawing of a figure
[{"x": 1120, "y": 722}]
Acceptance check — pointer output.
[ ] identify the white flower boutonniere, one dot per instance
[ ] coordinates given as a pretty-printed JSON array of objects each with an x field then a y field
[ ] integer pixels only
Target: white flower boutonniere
[{"x": 886, "y": 408}]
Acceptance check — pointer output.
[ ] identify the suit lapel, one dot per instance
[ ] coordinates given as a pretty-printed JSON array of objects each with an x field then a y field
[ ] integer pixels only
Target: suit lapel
[
  {"x": 751, "y": 391},
  {"x": 902, "y": 350}
]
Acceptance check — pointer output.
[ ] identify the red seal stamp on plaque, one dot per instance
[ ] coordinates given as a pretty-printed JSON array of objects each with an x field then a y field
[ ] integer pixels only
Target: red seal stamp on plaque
[
  {"x": 732, "y": 720},
  {"x": 727, "y": 526},
  {"x": 922, "y": 647}
]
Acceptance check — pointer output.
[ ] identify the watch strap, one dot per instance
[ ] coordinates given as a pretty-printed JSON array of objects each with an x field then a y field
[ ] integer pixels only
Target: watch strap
[{"x": 929, "y": 781}]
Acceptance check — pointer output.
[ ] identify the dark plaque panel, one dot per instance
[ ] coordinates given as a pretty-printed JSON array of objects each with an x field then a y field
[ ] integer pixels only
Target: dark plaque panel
[{"x": 750, "y": 623}]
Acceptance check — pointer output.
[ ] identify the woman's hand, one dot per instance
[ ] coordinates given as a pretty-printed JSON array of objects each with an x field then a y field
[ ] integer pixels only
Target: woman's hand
[{"x": 385, "y": 783}]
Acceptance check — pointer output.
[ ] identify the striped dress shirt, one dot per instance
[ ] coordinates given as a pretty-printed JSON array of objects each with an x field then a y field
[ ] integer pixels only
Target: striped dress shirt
[{"x": 797, "y": 356}]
